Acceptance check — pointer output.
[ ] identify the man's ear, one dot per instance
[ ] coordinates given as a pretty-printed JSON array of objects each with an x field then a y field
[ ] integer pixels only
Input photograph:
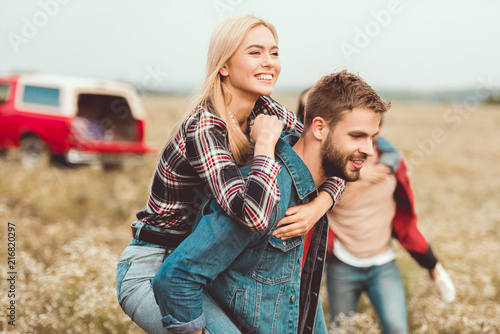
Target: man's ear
[
  {"x": 223, "y": 71},
  {"x": 319, "y": 128}
]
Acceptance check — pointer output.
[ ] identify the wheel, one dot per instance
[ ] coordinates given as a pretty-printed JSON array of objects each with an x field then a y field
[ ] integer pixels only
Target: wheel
[
  {"x": 33, "y": 152},
  {"x": 61, "y": 161},
  {"x": 107, "y": 166}
]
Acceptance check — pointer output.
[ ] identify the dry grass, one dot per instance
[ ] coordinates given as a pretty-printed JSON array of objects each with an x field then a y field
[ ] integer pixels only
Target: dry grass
[{"x": 71, "y": 226}]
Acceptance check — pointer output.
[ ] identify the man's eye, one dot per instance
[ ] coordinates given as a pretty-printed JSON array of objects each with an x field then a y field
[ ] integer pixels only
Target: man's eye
[{"x": 275, "y": 54}]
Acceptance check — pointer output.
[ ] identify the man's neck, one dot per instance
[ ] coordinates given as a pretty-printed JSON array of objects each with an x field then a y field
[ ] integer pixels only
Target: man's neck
[{"x": 310, "y": 153}]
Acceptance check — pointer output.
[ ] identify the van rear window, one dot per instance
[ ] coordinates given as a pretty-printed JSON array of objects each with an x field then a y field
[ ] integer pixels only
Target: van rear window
[
  {"x": 4, "y": 92},
  {"x": 41, "y": 95}
]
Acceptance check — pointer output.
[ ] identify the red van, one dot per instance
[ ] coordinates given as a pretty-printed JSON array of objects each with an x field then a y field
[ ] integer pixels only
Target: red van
[{"x": 71, "y": 120}]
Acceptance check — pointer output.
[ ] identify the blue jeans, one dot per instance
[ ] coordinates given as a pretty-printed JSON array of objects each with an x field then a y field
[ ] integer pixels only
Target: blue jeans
[
  {"x": 383, "y": 285},
  {"x": 136, "y": 269}
]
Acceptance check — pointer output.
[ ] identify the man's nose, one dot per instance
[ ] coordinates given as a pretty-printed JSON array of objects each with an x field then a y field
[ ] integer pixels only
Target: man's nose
[{"x": 367, "y": 147}]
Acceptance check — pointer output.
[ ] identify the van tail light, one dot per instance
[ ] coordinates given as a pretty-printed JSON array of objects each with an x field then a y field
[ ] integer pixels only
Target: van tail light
[{"x": 140, "y": 130}]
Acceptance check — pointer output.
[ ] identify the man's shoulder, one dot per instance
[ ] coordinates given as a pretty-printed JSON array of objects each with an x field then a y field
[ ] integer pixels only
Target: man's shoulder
[
  {"x": 284, "y": 146},
  {"x": 299, "y": 172}
]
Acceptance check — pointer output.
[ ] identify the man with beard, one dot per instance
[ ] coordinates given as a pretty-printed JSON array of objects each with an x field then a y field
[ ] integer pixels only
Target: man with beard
[{"x": 266, "y": 284}]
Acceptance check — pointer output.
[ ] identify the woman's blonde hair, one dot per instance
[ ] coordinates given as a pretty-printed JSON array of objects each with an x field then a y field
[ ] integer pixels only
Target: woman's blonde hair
[{"x": 214, "y": 95}]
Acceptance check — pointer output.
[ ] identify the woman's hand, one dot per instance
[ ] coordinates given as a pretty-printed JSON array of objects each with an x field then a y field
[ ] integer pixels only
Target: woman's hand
[
  {"x": 376, "y": 173},
  {"x": 300, "y": 219},
  {"x": 265, "y": 132}
]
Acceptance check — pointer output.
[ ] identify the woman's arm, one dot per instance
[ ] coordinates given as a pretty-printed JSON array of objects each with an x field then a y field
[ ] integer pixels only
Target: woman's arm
[
  {"x": 249, "y": 201},
  {"x": 300, "y": 219}
]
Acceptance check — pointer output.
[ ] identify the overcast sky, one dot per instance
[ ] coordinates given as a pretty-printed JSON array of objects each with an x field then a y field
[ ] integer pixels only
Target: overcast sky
[{"x": 393, "y": 44}]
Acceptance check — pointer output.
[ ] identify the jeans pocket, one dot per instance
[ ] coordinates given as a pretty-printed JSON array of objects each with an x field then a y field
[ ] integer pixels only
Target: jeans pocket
[
  {"x": 237, "y": 303},
  {"x": 121, "y": 271}
]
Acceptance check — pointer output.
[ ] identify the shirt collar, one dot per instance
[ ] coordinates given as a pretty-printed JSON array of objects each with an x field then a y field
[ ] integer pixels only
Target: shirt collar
[{"x": 302, "y": 178}]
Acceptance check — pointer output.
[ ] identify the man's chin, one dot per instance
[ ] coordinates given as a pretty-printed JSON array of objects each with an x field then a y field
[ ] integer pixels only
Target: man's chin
[{"x": 352, "y": 176}]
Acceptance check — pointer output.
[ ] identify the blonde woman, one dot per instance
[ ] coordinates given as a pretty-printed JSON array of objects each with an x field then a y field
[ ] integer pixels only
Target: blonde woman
[{"x": 233, "y": 122}]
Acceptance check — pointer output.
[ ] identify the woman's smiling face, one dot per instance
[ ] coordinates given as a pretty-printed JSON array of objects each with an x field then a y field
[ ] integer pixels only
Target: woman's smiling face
[{"x": 255, "y": 66}]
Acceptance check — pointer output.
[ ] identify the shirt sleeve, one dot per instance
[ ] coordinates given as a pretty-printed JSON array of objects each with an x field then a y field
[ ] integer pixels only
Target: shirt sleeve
[
  {"x": 250, "y": 201},
  {"x": 334, "y": 186},
  {"x": 388, "y": 154}
]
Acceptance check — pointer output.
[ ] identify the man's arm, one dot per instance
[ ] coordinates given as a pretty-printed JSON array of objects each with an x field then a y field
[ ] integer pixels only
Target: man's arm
[
  {"x": 388, "y": 154},
  {"x": 214, "y": 244}
]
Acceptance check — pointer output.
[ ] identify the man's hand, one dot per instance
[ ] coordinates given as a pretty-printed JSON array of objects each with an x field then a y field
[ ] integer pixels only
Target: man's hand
[{"x": 443, "y": 283}]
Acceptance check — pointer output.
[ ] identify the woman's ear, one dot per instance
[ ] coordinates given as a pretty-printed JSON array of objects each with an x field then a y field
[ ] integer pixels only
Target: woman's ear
[
  {"x": 223, "y": 71},
  {"x": 319, "y": 128}
]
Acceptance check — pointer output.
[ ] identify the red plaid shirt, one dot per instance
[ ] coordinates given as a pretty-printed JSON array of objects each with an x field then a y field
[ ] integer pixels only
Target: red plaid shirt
[{"x": 199, "y": 162}]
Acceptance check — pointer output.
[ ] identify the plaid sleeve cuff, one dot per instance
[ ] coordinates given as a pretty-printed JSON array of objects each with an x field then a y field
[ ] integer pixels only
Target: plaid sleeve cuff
[{"x": 334, "y": 186}]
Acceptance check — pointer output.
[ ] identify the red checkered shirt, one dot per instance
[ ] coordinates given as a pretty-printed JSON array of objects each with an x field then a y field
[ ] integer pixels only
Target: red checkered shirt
[{"x": 199, "y": 162}]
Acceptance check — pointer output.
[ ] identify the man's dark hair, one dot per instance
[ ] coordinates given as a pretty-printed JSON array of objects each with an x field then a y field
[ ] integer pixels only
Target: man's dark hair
[
  {"x": 337, "y": 93},
  {"x": 302, "y": 105}
]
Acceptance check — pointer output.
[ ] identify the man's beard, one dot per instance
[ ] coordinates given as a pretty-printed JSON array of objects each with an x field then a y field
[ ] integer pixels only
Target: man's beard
[{"x": 334, "y": 163}]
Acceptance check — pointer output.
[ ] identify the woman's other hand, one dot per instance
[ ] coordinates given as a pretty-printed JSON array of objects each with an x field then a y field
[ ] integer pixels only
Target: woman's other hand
[{"x": 265, "y": 132}]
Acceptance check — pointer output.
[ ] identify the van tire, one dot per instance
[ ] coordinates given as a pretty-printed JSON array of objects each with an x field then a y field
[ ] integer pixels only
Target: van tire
[
  {"x": 33, "y": 152},
  {"x": 108, "y": 167},
  {"x": 60, "y": 161}
]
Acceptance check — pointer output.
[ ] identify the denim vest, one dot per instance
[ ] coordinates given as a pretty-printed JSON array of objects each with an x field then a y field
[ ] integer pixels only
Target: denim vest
[{"x": 255, "y": 277}]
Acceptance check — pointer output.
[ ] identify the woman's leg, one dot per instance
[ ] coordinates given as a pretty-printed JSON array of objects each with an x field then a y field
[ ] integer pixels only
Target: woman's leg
[{"x": 137, "y": 267}]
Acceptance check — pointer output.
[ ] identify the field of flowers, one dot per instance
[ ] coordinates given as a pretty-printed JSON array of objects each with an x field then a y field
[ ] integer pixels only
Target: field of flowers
[{"x": 71, "y": 226}]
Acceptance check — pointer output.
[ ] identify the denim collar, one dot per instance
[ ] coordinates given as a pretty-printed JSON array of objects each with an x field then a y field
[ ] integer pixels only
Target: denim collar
[{"x": 302, "y": 178}]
